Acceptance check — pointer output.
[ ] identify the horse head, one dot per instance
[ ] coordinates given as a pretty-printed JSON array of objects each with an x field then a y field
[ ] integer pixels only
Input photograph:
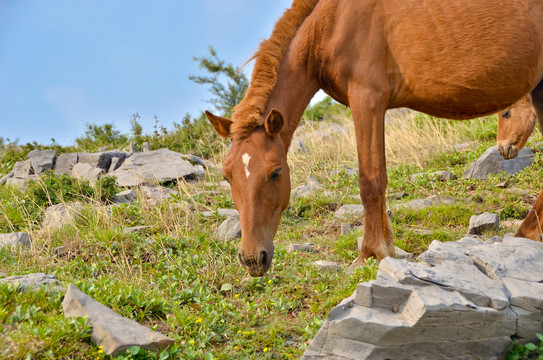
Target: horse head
[
  {"x": 515, "y": 125},
  {"x": 257, "y": 170}
]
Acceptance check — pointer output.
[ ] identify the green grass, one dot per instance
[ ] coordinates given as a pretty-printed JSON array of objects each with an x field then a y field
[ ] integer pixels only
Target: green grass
[{"x": 178, "y": 278}]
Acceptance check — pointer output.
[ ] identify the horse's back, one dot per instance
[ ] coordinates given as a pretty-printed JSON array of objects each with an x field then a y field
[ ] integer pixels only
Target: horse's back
[{"x": 450, "y": 58}]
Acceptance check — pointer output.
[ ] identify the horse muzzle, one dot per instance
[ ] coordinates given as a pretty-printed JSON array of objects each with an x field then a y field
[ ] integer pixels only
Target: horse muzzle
[
  {"x": 256, "y": 264},
  {"x": 507, "y": 151}
]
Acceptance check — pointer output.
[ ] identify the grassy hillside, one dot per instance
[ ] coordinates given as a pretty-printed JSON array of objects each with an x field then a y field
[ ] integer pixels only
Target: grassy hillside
[{"x": 178, "y": 278}]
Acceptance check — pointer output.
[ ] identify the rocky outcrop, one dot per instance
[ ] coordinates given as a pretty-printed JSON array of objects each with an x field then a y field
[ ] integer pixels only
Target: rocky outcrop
[
  {"x": 156, "y": 166},
  {"x": 464, "y": 300},
  {"x": 131, "y": 169},
  {"x": 492, "y": 163},
  {"x": 110, "y": 330}
]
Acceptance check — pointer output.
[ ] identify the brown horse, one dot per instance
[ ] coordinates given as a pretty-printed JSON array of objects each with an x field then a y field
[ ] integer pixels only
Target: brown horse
[
  {"x": 515, "y": 125},
  {"x": 454, "y": 59}
]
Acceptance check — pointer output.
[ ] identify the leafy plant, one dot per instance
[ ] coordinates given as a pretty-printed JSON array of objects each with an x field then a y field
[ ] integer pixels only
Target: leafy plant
[
  {"x": 526, "y": 351},
  {"x": 225, "y": 96}
]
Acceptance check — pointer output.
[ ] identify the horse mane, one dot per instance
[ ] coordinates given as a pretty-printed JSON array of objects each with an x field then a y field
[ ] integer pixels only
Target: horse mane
[{"x": 248, "y": 113}]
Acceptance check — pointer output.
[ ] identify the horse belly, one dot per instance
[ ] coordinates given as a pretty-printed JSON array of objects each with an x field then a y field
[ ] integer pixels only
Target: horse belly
[{"x": 461, "y": 59}]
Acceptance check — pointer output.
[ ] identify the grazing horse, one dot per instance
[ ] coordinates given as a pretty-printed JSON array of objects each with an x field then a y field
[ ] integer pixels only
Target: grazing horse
[
  {"x": 515, "y": 125},
  {"x": 457, "y": 59}
]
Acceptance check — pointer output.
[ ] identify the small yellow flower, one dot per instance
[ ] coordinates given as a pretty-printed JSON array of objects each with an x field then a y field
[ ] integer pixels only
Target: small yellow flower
[
  {"x": 191, "y": 342},
  {"x": 236, "y": 296},
  {"x": 266, "y": 349},
  {"x": 199, "y": 320},
  {"x": 269, "y": 281},
  {"x": 236, "y": 347},
  {"x": 237, "y": 280},
  {"x": 239, "y": 331}
]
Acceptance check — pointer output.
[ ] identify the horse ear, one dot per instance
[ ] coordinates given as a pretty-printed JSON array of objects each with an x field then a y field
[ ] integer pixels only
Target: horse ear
[
  {"x": 274, "y": 122},
  {"x": 220, "y": 124}
]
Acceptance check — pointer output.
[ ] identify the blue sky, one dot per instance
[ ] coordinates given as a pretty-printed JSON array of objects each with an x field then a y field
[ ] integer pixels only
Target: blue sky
[{"x": 65, "y": 63}]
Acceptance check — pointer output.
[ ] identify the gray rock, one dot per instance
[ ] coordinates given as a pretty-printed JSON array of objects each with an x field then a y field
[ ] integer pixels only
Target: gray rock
[
  {"x": 397, "y": 196},
  {"x": 483, "y": 222},
  {"x": 116, "y": 162},
  {"x": 110, "y": 330},
  {"x": 230, "y": 229},
  {"x": 102, "y": 160},
  {"x": 308, "y": 247},
  {"x": 6, "y": 177},
  {"x": 17, "y": 182},
  {"x": 324, "y": 265},
  {"x": 492, "y": 163},
  {"x": 155, "y": 166},
  {"x": 22, "y": 169},
  {"x": 439, "y": 175},
  {"x": 86, "y": 171},
  {"x": 402, "y": 254},
  {"x": 65, "y": 163},
  {"x": 126, "y": 197},
  {"x": 228, "y": 212},
  {"x": 465, "y": 300},
  {"x": 419, "y": 204},
  {"x": 42, "y": 160},
  {"x": 157, "y": 194},
  {"x": 465, "y": 146},
  {"x": 15, "y": 239},
  {"x": 350, "y": 212},
  {"x": 306, "y": 190},
  {"x": 57, "y": 216},
  {"x": 132, "y": 147},
  {"x": 345, "y": 229},
  {"x": 34, "y": 281},
  {"x": 145, "y": 147},
  {"x": 297, "y": 145}
]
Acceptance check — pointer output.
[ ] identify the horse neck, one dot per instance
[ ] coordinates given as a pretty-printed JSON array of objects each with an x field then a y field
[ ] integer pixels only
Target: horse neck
[{"x": 293, "y": 91}]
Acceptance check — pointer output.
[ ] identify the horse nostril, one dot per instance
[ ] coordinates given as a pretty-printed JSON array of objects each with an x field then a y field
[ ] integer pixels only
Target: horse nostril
[
  {"x": 240, "y": 258},
  {"x": 262, "y": 261}
]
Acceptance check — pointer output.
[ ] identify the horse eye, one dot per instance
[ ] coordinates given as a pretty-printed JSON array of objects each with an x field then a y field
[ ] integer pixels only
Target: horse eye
[
  {"x": 275, "y": 175},
  {"x": 506, "y": 114}
]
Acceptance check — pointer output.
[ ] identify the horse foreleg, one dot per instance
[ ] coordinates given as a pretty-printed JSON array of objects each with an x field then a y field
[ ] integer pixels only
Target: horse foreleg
[
  {"x": 368, "y": 115},
  {"x": 536, "y": 96},
  {"x": 531, "y": 226}
]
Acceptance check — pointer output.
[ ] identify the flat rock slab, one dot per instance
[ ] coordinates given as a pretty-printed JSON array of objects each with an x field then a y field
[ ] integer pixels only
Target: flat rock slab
[
  {"x": 420, "y": 204},
  {"x": 350, "y": 212},
  {"x": 15, "y": 239},
  {"x": 110, "y": 330},
  {"x": 308, "y": 247},
  {"x": 492, "y": 163},
  {"x": 465, "y": 300},
  {"x": 155, "y": 166},
  {"x": 325, "y": 265},
  {"x": 34, "y": 281}
]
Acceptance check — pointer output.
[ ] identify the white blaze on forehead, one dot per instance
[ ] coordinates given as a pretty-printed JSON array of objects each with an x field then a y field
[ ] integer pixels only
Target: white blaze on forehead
[{"x": 246, "y": 158}]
